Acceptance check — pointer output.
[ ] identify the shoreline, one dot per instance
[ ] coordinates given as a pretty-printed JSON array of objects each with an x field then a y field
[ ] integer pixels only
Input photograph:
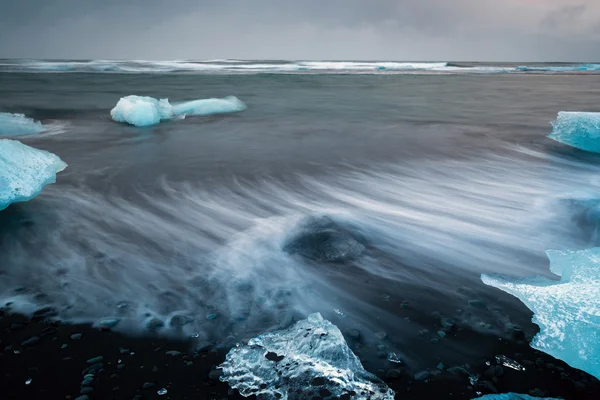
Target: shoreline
[{"x": 139, "y": 367}]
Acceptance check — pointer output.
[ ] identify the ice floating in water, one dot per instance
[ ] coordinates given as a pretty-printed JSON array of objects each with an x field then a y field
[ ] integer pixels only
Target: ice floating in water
[
  {"x": 146, "y": 111},
  {"x": 577, "y": 129},
  {"x": 18, "y": 124},
  {"x": 141, "y": 110},
  {"x": 209, "y": 106},
  {"x": 302, "y": 362},
  {"x": 567, "y": 311},
  {"x": 561, "y": 68},
  {"x": 512, "y": 396},
  {"x": 322, "y": 239},
  {"x": 24, "y": 171}
]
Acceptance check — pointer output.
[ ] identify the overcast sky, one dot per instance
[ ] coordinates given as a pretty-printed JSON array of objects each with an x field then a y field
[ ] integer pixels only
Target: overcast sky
[{"x": 441, "y": 30}]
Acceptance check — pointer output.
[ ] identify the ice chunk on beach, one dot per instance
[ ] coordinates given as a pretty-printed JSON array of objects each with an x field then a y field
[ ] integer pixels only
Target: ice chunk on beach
[
  {"x": 567, "y": 311},
  {"x": 146, "y": 111},
  {"x": 141, "y": 110},
  {"x": 577, "y": 129},
  {"x": 24, "y": 171},
  {"x": 18, "y": 124},
  {"x": 299, "y": 362},
  {"x": 512, "y": 396},
  {"x": 228, "y": 104}
]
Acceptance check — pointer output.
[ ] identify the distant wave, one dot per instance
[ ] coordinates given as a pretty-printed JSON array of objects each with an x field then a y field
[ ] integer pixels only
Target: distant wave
[{"x": 224, "y": 66}]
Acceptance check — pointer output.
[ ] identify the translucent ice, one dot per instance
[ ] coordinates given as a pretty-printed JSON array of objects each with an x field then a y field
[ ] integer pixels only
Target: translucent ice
[
  {"x": 146, "y": 111},
  {"x": 24, "y": 171},
  {"x": 567, "y": 311},
  {"x": 209, "y": 106},
  {"x": 18, "y": 124},
  {"x": 512, "y": 396},
  {"x": 306, "y": 360},
  {"x": 141, "y": 111},
  {"x": 577, "y": 129}
]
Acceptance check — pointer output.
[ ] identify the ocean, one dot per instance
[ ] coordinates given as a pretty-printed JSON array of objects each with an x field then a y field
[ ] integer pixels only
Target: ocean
[{"x": 443, "y": 170}]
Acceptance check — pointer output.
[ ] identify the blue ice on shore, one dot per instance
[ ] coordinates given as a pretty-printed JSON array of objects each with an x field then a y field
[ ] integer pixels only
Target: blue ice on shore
[
  {"x": 298, "y": 363},
  {"x": 18, "y": 124},
  {"x": 512, "y": 396},
  {"x": 24, "y": 171},
  {"x": 567, "y": 311},
  {"x": 577, "y": 129},
  {"x": 146, "y": 111}
]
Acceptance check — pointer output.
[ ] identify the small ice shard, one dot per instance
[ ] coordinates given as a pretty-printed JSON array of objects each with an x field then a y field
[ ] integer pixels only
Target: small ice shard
[
  {"x": 322, "y": 239},
  {"x": 18, "y": 124},
  {"x": 577, "y": 129},
  {"x": 141, "y": 110},
  {"x": 567, "y": 311},
  {"x": 146, "y": 111},
  {"x": 228, "y": 104},
  {"x": 511, "y": 396},
  {"x": 507, "y": 362},
  {"x": 24, "y": 171},
  {"x": 300, "y": 362}
]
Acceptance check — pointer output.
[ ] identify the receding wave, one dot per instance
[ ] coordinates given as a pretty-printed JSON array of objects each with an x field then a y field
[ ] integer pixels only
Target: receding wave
[{"x": 211, "y": 261}]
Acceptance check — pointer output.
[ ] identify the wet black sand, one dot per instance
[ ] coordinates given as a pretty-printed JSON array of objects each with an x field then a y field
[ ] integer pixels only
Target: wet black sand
[{"x": 138, "y": 368}]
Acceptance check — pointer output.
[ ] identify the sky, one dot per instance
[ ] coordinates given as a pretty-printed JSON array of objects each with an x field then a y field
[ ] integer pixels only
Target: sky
[{"x": 415, "y": 30}]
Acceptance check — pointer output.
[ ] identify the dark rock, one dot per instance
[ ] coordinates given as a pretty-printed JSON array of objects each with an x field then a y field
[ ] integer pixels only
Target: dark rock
[
  {"x": 322, "y": 239},
  {"x": 147, "y": 385},
  {"x": 76, "y": 336},
  {"x": 95, "y": 360}
]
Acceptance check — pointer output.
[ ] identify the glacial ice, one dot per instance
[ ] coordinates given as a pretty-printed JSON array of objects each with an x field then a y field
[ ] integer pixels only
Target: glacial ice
[
  {"x": 512, "y": 396},
  {"x": 141, "y": 110},
  {"x": 577, "y": 129},
  {"x": 24, "y": 171},
  {"x": 146, "y": 111},
  {"x": 567, "y": 311},
  {"x": 18, "y": 124},
  {"x": 302, "y": 362},
  {"x": 209, "y": 106}
]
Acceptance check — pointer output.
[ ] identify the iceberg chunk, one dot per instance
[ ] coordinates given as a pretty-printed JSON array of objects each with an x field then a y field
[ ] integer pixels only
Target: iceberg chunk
[
  {"x": 18, "y": 124},
  {"x": 227, "y": 104},
  {"x": 512, "y": 396},
  {"x": 141, "y": 110},
  {"x": 577, "y": 129},
  {"x": 146, "y": 111},
  {"x": 24, "y": 171},
  {"x": 567, "y": 311},
  {"x": 299, "y": 362}
]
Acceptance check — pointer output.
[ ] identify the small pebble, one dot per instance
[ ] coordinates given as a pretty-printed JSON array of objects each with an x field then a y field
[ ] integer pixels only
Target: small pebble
[
  {"x": 86, "y": 390},
  {"x": 421, "y": 376},
  {"x": 210, "y": 317},
  {"x": 76, "y": 336},
  {"x": 31, "y": 341},
  {"x": 161, "y": 392},
  {"x": 95, "y": 360},
  {"x": 441, "y": 334},
  {"x": 147, "y": 385}
]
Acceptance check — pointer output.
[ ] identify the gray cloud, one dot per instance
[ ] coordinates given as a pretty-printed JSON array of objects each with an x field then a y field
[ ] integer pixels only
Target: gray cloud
[{"x": 558, "y": 30}]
